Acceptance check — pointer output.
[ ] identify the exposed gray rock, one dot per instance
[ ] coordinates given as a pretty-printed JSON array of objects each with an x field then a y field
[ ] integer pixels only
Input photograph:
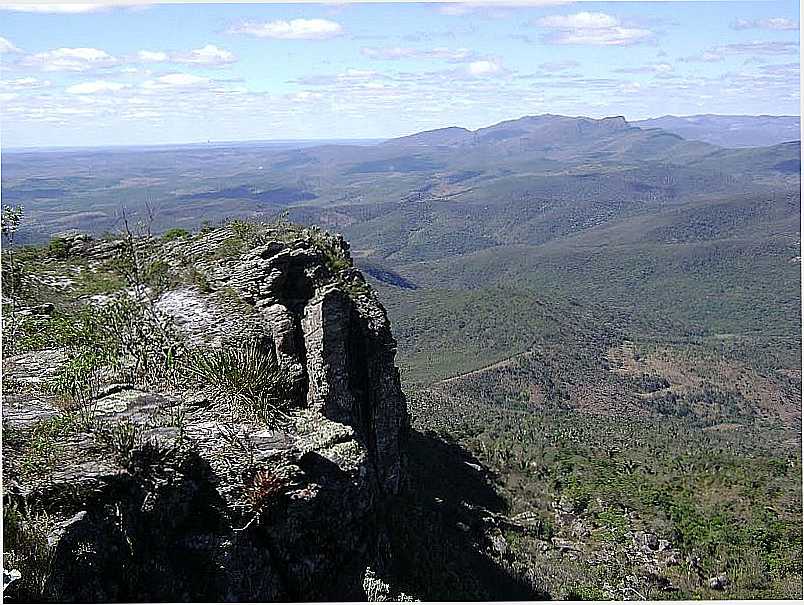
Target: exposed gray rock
[
  {"x": 647, "y": 541},
  {"x": 718, "y": 582},
  {"x": 208, "y": 506}
]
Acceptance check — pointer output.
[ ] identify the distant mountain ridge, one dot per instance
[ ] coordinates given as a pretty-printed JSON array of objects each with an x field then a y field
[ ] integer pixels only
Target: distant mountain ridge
[
  {"x": 730, "y": 131},
  {"x": 721, "y": 130},
  {"x": 552, "y": 137},
  {"x": 545, "y": 125}
]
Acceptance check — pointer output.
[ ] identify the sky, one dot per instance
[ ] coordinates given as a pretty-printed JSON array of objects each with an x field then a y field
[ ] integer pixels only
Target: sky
[{"x": 89, "y": 74}]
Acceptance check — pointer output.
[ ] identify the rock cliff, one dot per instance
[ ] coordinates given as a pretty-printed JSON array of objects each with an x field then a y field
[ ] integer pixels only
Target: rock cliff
[{"x": 133, "y": 479}]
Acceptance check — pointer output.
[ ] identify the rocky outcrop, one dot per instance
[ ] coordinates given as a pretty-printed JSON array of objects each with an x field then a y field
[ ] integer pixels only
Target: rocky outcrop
[{"x": 203, "y": 505}]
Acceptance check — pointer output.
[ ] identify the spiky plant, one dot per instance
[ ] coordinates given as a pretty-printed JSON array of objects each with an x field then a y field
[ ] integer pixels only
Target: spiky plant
[{"x": 247, "y": 376}]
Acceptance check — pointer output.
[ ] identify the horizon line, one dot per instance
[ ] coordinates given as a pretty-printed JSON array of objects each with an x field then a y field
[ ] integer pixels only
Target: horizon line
[{"x": 353, "y": 140}]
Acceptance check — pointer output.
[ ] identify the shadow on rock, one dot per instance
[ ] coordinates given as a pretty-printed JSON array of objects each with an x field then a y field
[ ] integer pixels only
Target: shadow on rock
[{"x": 439, "y": 547}]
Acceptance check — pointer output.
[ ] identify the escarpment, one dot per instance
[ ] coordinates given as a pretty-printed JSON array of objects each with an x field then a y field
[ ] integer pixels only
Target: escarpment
[{"x": 241, "y": 438}]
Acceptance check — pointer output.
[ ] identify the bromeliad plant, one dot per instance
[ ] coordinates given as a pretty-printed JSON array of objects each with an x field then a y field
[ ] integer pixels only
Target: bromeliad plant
[{"x": 249, "y": 377}]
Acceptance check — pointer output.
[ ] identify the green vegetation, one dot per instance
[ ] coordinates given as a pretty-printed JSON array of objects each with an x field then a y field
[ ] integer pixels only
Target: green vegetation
[
  {"x": 58, "y": 248},
  {"x": 175, "y": 233},
  {"x": 730, "y": 498},
  {"x": 123, "y": 341},
  {"x": 248, "y": 377},
  {"x": 612, "y": 322},
  {"x": 26, "y": 548},
  {"x": 43, "y": 446}
]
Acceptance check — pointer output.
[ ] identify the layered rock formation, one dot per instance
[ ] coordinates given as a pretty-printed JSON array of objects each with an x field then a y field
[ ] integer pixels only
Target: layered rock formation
[{"x": 206, "y": 504}]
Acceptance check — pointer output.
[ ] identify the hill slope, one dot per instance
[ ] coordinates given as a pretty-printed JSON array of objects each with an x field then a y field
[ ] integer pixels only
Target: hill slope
[{"x": 730, "y": 131}]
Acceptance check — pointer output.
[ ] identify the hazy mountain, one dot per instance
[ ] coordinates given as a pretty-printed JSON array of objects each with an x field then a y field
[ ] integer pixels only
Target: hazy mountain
[
  {"x": 553, "y": 137},
  {"x": 730, "y": 131}
]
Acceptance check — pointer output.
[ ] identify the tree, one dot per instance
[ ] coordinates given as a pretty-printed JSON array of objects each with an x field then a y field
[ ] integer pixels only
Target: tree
[{"x": 10, "y": 220}]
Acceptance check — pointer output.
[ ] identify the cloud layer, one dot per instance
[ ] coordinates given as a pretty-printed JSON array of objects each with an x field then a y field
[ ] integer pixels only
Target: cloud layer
[
  {"x": 771, "y": 23},
  {"x": 595, "y": 29},
  {"x": 295, "y": 29}
]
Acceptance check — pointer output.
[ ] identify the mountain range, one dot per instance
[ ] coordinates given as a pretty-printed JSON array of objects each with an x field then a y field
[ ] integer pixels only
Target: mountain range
[{"x": 730, "y": 131}]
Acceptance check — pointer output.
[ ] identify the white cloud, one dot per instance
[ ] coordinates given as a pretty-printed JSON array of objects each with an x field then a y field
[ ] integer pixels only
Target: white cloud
[
  {"x": 27, "y": 83},
  {"x": 559, "y": 65},
  {"x": 756, "y": 48},
  {"x": 650, "y": 68},
  {"x": 91, "y": 88},
  {"x": 151, "y": 56},
  {"x": 208, "y": 55},
  {"x": 7, "y": 47},
  {"x": 358, "y": 74},
  {"x": 38, "y": 7},
  {"x": 483, "y": 68},
  {"x": 393, "y": 53},
  {"x": 71, "y": 59},
  {"x": 595, "y": 29},
  {"x": 176, "y": 80},
  {"x": 306, "y": 95},
  {"x": 295, "y": 29},
  {"x": 579, "y": 21},
  {"x": 773, "y": 23}
]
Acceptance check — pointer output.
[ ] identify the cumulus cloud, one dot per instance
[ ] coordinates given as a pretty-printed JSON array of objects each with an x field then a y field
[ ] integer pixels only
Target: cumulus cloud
[
  {"x": 295, "y": 29},
  {"x": 483, "y": 67},
  {"x": 394, "y": 53},
  {"x": 152, "y": 56},
  {"x": 71, "y": 59},
  {"x": 91, "y": 88},
  {"x": 772, "y": 23},
  {"x": 208, "y": 55},
  {"x": 594, "y": 29},
  {"x": 579, "y": 21},
  {"x": 176, "y": 80},
  {"x": 7, "y": 47}
]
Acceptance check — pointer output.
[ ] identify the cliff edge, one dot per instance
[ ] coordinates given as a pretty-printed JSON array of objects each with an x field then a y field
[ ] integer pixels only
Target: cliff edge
[{"x": 212, "y": 417}]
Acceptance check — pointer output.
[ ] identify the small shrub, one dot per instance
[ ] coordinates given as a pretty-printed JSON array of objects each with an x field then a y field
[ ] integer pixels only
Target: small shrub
[
  {"x": 123, "y": 341},
  {"x": 42, "y": 447},
  {"x": 585, "y": 592},
  {"x": 175, "y": 233},
  {"x": 615, "y": 524},
  {"x": 264, "y": 489},
  {"x": 230, "y": 247},
  {"x": 58, "y": 248},
  {"x": 157, "y": 276},
  {"x": 26, "y": 548},
  {"x": 244, "y": 230},
  {"x": 200, "y": 280},
  {"x": 81, "y": 378},
  {"x": 120, "y": 439}
]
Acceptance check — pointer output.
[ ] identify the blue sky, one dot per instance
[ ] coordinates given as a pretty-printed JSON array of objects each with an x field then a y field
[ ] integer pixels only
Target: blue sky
[{"x": 80, "y": 75}]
